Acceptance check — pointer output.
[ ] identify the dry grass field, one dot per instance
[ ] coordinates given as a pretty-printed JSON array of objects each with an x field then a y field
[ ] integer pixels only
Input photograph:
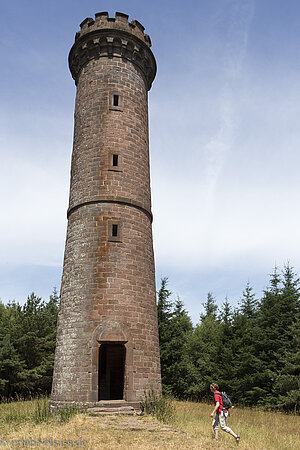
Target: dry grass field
[
  {"x": 190, "y": 429},
  {"x": 258, "y": 429}
]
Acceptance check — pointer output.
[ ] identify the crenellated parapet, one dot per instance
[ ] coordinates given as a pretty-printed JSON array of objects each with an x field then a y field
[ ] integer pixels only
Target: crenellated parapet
[
  {"x": 112, "y": 38},
  {"x": 120, "y": 22}
]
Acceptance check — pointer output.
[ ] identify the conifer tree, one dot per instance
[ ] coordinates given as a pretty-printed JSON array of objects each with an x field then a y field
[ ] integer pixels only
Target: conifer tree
[
  {"x": 246, "y": 364},
  {"x": 27, "y": 342},
  {"x": 174, "y": 325},
  {"x": 268, "y": 337},
  {"x": 175, "y": 374},
  {"x": 226, "y": 347},
  {"x": 286, "y": 389},
  {"x": 12, "y": 366},
  {"x": 210, "y": 307},
  {"x": 287, "y": 383},
  {"x": 164, "y": 306},
  {"x": 248, "y": 305},
  {"x": 277, "y": 313},
  {"x": 204, "y": 352}
]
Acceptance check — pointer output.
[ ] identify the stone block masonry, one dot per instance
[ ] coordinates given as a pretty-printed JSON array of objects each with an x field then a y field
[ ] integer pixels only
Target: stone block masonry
[{"x": 107, "y": 337}]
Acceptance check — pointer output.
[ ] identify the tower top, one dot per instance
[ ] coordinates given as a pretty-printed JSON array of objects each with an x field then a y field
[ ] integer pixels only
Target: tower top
[
  {"x": 119, "y": 22},
  {"x": 110, "y": 37}
]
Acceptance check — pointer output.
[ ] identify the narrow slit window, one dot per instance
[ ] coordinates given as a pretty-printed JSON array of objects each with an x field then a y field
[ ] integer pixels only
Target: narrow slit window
[
  {"x": 116, "y": 100},
  {"x": 115, "y": 160},
  {"x": 114, "y": 231}
]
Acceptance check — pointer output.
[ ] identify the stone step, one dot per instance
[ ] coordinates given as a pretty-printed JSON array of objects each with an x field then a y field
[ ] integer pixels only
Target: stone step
[
  {"x": 116, "y": 404},
  {"x": 111, "y": 411},
  {"x": 121, "y": 408},
  {"x": 106, "y": 407}
]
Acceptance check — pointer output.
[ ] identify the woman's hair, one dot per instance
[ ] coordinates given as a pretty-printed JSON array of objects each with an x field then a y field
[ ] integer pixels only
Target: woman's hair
[{"x": 214, "y": 386}]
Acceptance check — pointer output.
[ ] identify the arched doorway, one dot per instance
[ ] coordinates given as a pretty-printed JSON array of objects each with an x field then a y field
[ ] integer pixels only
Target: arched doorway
[{"x": 111, "y": 371}]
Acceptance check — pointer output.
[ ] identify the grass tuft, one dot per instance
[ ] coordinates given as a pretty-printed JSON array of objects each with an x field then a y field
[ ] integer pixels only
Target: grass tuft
[
  {"x": 65, "y": 414},
  {"x": 41, "y": 412},
  {"x": 35, "y": 411},
  {"x": 159, "y": 406}
]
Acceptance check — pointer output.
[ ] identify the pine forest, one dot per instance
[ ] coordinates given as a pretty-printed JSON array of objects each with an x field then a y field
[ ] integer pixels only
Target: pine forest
[{"x": 251, "y": 350}]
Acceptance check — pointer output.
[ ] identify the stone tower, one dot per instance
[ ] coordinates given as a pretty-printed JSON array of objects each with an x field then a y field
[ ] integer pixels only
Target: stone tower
[{"x": 107, "y": 337}]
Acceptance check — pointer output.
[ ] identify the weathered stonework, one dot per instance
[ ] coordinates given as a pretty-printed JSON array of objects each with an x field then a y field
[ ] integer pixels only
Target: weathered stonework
[{"x": 107, "y": 321}]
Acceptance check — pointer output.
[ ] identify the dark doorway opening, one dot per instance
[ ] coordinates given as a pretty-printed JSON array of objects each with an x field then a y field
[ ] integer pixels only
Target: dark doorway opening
[{"x": 111, "y": 371}]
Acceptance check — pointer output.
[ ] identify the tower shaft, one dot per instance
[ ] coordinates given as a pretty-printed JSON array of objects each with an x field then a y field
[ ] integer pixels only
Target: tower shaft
[{"x": 107, "y": 336}]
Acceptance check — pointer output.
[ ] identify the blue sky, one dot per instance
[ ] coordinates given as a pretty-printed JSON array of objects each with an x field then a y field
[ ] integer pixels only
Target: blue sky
[{"x": 224, "y": 141}]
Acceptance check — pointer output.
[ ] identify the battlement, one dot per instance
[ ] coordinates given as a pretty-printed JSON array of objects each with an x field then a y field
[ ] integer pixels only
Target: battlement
[
  {"x": 119, "y": 22},
  {"x": 112, "y": 38}
]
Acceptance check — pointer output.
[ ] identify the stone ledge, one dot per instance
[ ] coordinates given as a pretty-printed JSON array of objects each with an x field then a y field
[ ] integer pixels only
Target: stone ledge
[
  {"x": 111, "y": 199},
  {"x": 100, "y": 407}
]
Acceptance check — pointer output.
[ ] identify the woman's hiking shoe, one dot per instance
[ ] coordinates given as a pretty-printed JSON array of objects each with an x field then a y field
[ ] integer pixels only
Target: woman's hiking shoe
[{"x": 237, "y": 439}]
